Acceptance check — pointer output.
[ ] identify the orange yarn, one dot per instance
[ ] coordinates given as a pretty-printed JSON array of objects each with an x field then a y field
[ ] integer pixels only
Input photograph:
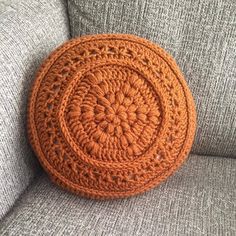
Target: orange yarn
[{"x": 110, "y": 116}]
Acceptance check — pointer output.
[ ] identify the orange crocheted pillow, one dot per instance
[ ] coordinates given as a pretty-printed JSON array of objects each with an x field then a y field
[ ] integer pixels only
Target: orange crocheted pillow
[{"x": 110, "y": 116}]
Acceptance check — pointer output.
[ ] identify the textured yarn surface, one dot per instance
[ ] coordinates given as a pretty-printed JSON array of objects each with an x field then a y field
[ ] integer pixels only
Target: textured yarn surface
[
  {"x": 110, "y": 116},
  {"x": 200, "y": 35},
  {"x": 198, "y": 200}
]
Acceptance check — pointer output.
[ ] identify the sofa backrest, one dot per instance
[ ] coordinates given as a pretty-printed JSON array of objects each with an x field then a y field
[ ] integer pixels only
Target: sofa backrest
[{"x": 200, "y": 35}]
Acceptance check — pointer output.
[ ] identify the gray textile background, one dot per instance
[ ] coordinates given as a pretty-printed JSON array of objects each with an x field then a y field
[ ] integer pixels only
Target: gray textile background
[
  {"x": 201, "y": 36},
  {"x": 29, "y": 30},
  {"x": 200, "y": 199}
]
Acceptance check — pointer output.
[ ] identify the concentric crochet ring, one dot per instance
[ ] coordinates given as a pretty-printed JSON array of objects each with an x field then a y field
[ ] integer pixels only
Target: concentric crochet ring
[{"x": 110, "y": 116}]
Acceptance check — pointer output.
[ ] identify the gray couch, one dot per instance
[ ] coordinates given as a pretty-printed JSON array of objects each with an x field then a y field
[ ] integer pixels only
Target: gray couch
[{"x": 200, "y": 198}]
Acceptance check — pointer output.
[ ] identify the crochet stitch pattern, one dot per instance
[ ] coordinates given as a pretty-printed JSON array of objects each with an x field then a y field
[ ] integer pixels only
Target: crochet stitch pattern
[{"x": 110, "y": 116}]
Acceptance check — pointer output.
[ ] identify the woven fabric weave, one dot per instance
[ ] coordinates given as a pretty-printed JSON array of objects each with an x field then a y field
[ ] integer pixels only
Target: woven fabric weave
[
  {"x": 110, "y": 116},
  {"x": 29, "y": 31},
  {"x": 200, "y": 35}
]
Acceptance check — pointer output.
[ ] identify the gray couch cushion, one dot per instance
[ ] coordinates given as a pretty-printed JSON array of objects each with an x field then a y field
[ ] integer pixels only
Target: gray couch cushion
[
  {"x": 201, "y": 35},
  {"x": 200, "y": 199},
  {"x": 29, "y": 30}
]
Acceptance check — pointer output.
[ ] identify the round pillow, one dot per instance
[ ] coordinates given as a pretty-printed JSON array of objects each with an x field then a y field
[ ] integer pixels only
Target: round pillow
[{"x": 110, "y": 116}]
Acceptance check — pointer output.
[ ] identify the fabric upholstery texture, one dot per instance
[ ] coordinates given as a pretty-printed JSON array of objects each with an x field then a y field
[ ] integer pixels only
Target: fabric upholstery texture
[
  {"x": 200, "y": 35},
  {"x": 29, "y": 30},
  {"x": 200, "y": 199}
]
